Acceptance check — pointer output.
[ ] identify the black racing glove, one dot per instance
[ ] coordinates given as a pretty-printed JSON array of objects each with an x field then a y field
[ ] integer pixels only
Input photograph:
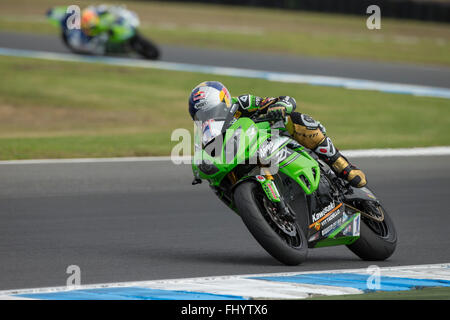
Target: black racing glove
[
  {"x": 282, "y": 107},
  {"x": 276, "y": 111}
]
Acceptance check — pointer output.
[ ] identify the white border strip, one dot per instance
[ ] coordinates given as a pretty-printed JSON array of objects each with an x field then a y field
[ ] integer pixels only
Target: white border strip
[
  {"x": 348, "y": 83},
  {"x": 398, "y": 152},
  {"x": 234, "y": 283},
  {"x": 365, "y": 153},
  {"x": 97, "y": 160}
]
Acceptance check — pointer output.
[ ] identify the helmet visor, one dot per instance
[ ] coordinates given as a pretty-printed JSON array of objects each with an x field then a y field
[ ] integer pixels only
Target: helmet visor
[{"x": 218, "y": 112}]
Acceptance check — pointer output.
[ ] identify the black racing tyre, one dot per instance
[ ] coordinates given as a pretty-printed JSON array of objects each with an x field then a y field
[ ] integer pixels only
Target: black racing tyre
[
  {"x": 145, "y": 47},
  {"x": 72, "y": 49},
  {"x": 66, "y": 42},
  {"x": 378, "y": 240},
  {"x": 289, "y": 249},
  {"x": 64, "y": 38}
]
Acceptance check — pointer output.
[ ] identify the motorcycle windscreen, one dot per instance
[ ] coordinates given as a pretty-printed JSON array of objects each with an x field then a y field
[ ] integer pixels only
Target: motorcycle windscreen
[
  {"x": 208, "y": 130},
  {"x": 211, "y": 122}
]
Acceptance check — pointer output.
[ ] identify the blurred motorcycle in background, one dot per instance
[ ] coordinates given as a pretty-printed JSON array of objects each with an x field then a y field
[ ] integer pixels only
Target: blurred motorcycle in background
[{"x": 104, "y": 30}]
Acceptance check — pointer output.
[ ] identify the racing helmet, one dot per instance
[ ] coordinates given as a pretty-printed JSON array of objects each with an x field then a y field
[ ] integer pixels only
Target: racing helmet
[
  {"x": 208, "y": 98},
  {"x": 89, "y": 21}
]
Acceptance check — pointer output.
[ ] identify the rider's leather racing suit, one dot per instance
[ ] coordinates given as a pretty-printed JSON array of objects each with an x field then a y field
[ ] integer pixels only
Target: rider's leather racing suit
[{"x": 305, "y": 130}]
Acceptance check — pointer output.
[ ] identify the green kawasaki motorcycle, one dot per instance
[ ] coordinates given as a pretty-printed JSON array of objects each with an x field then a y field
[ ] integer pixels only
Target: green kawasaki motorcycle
[
  {"x": 289, "y": 200},
  {"x": 118, "y": 33}
]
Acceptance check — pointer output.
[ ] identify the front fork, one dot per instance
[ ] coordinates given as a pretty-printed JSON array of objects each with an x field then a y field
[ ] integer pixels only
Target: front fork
[{"x": 272, "y": 193}]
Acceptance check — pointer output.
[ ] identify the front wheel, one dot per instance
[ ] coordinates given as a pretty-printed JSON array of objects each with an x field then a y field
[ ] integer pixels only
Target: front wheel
[
  {"x": 378, "y": 240},
  {"x": 284, "y": 240}
]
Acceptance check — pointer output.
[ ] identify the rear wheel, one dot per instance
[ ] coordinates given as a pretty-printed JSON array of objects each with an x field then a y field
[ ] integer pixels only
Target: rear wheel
[
  {"x": 145, "y": 47},
  {"x": 282, "y": 239},
  {"x": 378, "y": 239}
]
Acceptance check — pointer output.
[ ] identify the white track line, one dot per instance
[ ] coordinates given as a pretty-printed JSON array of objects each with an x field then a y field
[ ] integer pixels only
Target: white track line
[
  {"x": 348, "y": 83},
  {"x": 94, "y": 160},
  {"x": 366, "y": 153},
  {"x": 398, "y": 152}
]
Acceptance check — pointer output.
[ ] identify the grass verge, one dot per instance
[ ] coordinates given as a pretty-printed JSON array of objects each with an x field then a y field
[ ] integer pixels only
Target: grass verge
[
  {"x": 52, "y": 109},
  {"x": 415, "y": 294},
  {"x": 266, "y": 30}
]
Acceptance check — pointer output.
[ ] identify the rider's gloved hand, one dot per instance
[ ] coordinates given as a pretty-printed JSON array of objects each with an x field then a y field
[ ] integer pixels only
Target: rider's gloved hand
[
  {"x": 276, "y": 111},
  {"x": 284, "y": 105},
  {"x": 267, "y": 102}
]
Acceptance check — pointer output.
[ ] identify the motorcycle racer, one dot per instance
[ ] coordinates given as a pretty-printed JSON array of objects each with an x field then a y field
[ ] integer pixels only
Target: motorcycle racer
[
  {"x": 99, "y": 25},
  {"x": 303, "y": 128},
  {"x": 102, "y": 29}
]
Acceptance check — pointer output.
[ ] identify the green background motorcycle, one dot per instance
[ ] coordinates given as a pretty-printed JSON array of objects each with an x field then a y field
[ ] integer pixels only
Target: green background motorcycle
[
  {"x": 288, "y": 199},
  {"x": 121, "y": 27}
]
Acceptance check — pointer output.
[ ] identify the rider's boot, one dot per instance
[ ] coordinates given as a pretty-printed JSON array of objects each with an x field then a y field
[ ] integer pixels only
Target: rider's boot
[
  {"x": 311, "y": 134},
  {"x": 339, "y": 164}
]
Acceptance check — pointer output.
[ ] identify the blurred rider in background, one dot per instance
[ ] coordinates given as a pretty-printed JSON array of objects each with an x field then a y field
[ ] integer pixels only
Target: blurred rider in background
[{"x": 99, "y": 26}]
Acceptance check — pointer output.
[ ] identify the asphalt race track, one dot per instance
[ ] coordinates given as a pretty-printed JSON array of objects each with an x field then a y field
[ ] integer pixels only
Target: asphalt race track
[
  {"x": 131, "y": 221},
  {"x": 389, "y": 72}
]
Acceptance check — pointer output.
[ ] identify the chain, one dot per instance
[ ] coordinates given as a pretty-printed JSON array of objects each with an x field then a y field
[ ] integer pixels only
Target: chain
[{"x": 369, "y": 215}]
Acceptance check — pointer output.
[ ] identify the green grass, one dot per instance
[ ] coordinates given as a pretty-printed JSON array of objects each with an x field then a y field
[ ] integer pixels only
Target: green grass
[
  {"x": 266, "y": 30},
  {"x": 415, "y": 294},
  {"x": 52, "y": 109}
]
